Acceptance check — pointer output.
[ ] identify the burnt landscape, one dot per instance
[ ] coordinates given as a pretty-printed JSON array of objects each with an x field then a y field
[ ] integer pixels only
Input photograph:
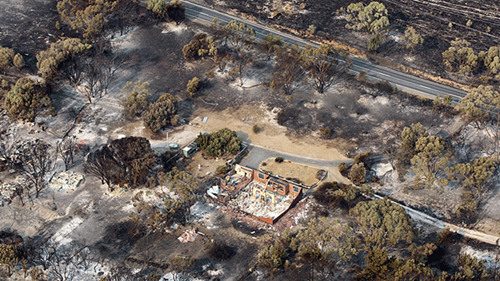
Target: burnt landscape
[
  {"x": 432, "y": 19},
  {"x": 150, "y": 147}
]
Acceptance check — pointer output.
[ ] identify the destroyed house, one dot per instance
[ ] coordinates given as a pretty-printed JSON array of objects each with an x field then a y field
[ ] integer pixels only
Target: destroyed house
[{"x": 259, "y": 194}]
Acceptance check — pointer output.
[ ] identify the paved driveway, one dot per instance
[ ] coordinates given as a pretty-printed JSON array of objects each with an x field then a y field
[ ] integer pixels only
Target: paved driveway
[{"x": 257, "y": 154}]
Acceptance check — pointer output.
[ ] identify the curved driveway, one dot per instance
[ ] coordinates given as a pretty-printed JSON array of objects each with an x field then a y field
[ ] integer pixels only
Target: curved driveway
[{"x": 257, "y": 154}]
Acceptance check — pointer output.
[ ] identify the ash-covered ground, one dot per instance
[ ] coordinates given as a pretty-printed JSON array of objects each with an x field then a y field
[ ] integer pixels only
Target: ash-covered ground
[
  {"x": 432, "y": 20},
  {"x": 28, "y": 26}
]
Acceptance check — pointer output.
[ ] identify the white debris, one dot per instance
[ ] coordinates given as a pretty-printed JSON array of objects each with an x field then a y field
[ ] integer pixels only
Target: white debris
[
  {"x": 248, "y": 203},
  {"x": 177, "y": 276},
  {"x": 205, "y": 214},
  {"x": 66, "y": 181},
  {"x": 381, "y": 169},
  {"x": 488, "y": 257},
  {"x": 214, "y": 191},
  {"x": 188, "y": 236}
]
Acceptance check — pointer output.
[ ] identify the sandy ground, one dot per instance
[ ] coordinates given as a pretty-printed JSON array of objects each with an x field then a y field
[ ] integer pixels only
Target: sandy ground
[
  {"x": 273, "y": 136},
  {"x": 200, "y": 167},
  {"x": 289, "y": 169}
]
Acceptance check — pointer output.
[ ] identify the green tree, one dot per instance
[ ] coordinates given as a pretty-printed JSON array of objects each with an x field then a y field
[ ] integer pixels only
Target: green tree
[
  {"x": 239, "y": 34},
  {"x": 26, "y": 99},
  {"x": 326, "y": 240},
  {"x": 430, "y": 161},
  {"x": 6, "y": 57},
  {"x": 200, "y": 46},
  {"x": 491, "y": 60},
  {"x": 378, "y": 264},
  {"x": 137, "y": 100},
  {"x": 410, "y": 269},
  {"x": 58, "y": 52},
  {"x": 158, "y": 7},
  {"x": 372, "y": 17},
  {"x": 476, "y": 174},
  {"x": 273, "y": 256},
  {"x": 162, "y": 113},
  {"x": 270, "y": 44},
  {"x": 474, "y": 177},
  {"x": 480, "y": 104},
  {"x": 334, "y": 193},
  {"x": 219, "y": 143},
  {"x": 383, "y": 223},
  {"x": 460, "y": 57},
  {"x": 87, "y": 17},
  {"x": 409, "y": 137},
  {"x": 375, "y": 42},
  {"x": 193, "y": 86},
  {"x": 412, "y": 38}
]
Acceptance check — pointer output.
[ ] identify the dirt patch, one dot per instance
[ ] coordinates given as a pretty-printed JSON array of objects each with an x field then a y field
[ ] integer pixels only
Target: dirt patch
[
  {"x": 289, "y": 169},
  {"x": 203, "y": 167},
  {"x": 273, "y": 136}
]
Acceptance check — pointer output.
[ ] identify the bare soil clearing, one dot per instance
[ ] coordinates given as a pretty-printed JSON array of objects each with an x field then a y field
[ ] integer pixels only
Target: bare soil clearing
[
  {"x": 275, "y": 137},
  {"x": 289, "y": 169}
]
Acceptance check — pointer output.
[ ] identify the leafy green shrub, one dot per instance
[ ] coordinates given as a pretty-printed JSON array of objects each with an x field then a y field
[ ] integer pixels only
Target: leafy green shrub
[
  {"x": 26, "y": 99},
  {"x": 137, "y": 100},
  {"x": 158, "y": 7},
  {"x": 6, "y": 57},
  {"x": 161, "y": 113},
  {"x": 343, "y": 168},
  {"x": 219, "y": 143},
  {"x": 18, "y": 61},
  {"x": 193, "y": 86},
  {"x": 325, "y": 132},
  {"x": 272, "y": 256},
  {"x": 57, "y": 53},
  {"x": 199, "y": 47},
  {"x": 383, "y": 222}
]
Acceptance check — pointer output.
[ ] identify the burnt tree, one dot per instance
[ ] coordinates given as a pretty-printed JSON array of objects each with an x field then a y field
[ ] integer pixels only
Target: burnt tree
[
  {"x": 35, "y": 161},
  {"x": 102, "y": 164}
]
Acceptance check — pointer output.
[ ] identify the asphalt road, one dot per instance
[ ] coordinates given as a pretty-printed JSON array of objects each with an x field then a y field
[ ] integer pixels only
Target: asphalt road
[
  {"x": 257, "y": 154},
  {"x": 403, "y": 81}
]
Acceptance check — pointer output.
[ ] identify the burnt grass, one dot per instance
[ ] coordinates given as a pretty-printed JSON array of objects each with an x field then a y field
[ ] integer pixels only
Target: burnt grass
[
  {"x": 431, "y": 21},
  {"x": 361, "y": 123},
  {"x": 28, "y": 26}
]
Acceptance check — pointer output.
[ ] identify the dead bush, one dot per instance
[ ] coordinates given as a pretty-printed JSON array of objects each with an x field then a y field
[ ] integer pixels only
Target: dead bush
[{"x": 257, "y": 129}]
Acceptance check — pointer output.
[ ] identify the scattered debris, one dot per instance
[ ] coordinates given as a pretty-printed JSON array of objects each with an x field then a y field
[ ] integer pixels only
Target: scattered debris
[
  {"x": 188, "y": 236},
  {"x": 66, "y": 181},
  {"x": 381, "y": 169}
]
